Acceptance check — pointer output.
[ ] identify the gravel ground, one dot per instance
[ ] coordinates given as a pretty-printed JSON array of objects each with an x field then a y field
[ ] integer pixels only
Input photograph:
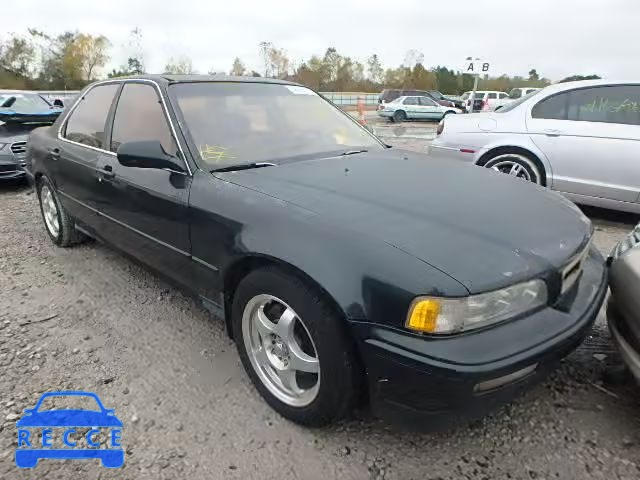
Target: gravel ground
[{"x": 87, "y": 318}]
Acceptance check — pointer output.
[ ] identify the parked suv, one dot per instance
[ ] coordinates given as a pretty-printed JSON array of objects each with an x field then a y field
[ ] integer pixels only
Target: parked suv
[{"x": 484, "y": 100}]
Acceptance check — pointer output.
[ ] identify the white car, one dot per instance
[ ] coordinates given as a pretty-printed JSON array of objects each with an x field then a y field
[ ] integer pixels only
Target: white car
[
  {"x": 579, "y": 138},
  {"x": 414, "y": 108},
  {"x": 484, "y": 99}
]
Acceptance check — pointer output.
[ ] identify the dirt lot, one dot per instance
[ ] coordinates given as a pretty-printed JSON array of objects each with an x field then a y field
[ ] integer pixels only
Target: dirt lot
[{"x": 89, "y": 319}]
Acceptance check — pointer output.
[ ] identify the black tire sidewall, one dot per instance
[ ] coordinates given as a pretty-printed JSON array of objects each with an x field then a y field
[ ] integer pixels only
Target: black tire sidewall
[
  {"x": 44, "y": 181},
  {"x": 337, "y": 363},
  {"x": 399, "y": 116}
]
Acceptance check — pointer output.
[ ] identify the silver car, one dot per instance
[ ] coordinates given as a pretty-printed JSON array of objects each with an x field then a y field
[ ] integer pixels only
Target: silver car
[
  {"x": 414, "y": 108},
  {"x": 623, "y": 312},
  {"x": 579, "y": 138}
]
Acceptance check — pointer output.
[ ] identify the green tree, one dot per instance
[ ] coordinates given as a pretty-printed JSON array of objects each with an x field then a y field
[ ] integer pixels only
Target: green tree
[
  {"x": 374, "y": 69},
  {"x": 17, "y": 55},
  {"x": 180, "y": 65},
  {"x": 238, "y": 67},
  {"x": 574, "y": 78},
  {"x": 533, "y": 75}
]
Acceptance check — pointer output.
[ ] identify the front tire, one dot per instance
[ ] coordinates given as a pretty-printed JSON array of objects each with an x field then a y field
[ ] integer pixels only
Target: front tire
[
  {"x": 518, "y": 165},
  {"x": 294, "y": 347},
  {"x": 57, "y": 222}
]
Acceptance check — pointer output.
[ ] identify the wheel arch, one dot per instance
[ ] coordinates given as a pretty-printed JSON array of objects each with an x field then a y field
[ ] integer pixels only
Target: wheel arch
[
  {"x": 504, "y": 149},
  {"x": 243, "y": 266}
]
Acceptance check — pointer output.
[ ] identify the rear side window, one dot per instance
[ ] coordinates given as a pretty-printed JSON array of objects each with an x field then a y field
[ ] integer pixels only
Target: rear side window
[
  {"x": 411, "y": 101},
  {"x": 87, "y": 121},
  {"x": 614, "y": 104},
  {"x": 553, "y": 108},
  {"x": 607, "y": 104},
  {"x": 139, "y": 116}
]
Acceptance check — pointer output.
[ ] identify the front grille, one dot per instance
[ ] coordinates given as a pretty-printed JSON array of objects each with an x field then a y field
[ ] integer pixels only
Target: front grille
[
  {"x": 19, "y": 147},
  {"x": 571, "y": 272}
]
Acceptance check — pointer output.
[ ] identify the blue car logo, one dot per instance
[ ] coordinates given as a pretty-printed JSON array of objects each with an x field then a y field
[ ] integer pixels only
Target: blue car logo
[{"x": 31, "y": 449}]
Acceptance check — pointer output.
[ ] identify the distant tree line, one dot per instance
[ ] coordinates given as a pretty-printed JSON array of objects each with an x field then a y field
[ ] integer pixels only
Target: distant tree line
[{"x": 37, "y": 60}]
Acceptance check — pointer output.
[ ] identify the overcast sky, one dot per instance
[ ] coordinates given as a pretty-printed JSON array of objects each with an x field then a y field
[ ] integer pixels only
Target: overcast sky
[{"x": 557, "y": 37}]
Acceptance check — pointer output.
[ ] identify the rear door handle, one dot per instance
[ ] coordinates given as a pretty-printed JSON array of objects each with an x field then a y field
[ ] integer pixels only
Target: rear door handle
[{"x": 54, "y": 153}]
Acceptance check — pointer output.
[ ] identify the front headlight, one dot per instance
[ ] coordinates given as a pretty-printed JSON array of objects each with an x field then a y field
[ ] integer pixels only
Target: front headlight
[{"x": 452, "y": 315}]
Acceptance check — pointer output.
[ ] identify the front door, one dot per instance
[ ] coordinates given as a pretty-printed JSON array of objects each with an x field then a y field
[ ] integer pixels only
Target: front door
[
  {"x": 591, "y": 137},
  {"x": 430, "y": 109},
  {"x": 145, "y": 209}
]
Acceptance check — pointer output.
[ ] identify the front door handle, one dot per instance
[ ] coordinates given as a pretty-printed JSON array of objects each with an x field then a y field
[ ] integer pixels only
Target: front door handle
[
  {"x": 54, "y": 153},
  {"x": 552, "y": 132},
  {"x": 106, "y": 172}
]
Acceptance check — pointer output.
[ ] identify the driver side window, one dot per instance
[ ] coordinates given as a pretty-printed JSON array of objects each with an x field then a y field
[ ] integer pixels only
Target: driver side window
[{"x": 139, "y": 116}]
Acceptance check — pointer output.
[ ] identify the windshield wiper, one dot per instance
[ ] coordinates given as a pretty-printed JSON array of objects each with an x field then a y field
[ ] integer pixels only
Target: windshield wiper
[
  {"x": 353, "y": 152},
  {"x": 243, "y": 166}
]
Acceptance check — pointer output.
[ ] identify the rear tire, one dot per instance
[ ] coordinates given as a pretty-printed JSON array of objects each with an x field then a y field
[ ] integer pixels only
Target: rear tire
[
  {"x": 313, "y": 398},
  {"x": 399, "y": 116},
  {"x": 57, "y": 222},
  {"x": 517, "y": 164}
]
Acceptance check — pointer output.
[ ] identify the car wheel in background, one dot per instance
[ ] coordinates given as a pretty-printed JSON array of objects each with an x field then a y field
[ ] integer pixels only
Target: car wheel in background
[
  {"x": 516, "y": 164},
  {"x": 448, "y": 112},
  {"x": 294, "y": 347},
  {"x": 57, "y": 222},
  {"x": 399, "y": 116}
]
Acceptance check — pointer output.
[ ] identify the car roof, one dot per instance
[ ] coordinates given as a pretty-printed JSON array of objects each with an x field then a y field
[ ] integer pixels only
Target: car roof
[
  {"x": 171, "y": 79},
  {"x": 561, "y": 87}
]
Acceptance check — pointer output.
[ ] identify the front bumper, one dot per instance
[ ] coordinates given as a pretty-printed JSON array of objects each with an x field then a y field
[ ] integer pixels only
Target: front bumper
[
  {"x": 431, "y": 382},
  {"x": 12, "y": 167}
]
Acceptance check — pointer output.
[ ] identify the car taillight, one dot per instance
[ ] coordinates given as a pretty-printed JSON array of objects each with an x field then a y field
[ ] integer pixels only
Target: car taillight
[{"x": 440, "y": 128}]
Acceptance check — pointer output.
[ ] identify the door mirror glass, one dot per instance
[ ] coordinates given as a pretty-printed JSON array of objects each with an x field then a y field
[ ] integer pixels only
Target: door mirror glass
[{"x": 147, "y": 154}]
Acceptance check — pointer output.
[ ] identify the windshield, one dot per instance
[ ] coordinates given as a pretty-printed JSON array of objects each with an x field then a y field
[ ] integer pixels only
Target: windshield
[
  {"x": 24, "y": 102},
  {"x": 511, "y": 105},
  {"x": 238, "y": 123}
]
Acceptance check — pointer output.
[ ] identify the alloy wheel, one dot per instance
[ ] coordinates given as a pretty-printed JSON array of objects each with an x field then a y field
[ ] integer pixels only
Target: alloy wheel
[
  {"x": 281, "y": 350},
  {"x": 50, "y": 211}
]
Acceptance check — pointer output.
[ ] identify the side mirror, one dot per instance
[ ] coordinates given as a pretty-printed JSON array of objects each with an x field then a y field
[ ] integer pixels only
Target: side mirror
[{"x": 147, "y": 154}]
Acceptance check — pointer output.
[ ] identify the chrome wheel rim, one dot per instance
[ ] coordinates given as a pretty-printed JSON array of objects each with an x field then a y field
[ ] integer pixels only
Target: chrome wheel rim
[
  {"x": 508, "y": 165},
  {"x": 49, "y": 211},
  {"x": 281, "y": 350}
]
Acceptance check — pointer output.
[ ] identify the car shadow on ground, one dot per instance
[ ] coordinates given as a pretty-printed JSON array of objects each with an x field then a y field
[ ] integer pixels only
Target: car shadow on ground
[{"x": 604, "y": 215}]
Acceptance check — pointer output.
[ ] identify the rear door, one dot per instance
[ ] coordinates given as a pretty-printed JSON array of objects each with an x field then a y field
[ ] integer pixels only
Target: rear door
[
  {"x": 145, "y": 209},
  {"x": 591, "y": 137},
  {"x": 72, "y": 162}
]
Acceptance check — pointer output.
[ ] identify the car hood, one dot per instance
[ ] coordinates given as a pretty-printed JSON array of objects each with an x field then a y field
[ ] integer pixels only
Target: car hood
[
  {"x": 486, "y": 230},
  {"x": 69, "y": 418}
]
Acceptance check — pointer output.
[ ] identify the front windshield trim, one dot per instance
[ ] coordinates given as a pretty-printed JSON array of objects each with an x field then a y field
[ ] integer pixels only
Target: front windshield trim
[{"x": 202, "y": 164}]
